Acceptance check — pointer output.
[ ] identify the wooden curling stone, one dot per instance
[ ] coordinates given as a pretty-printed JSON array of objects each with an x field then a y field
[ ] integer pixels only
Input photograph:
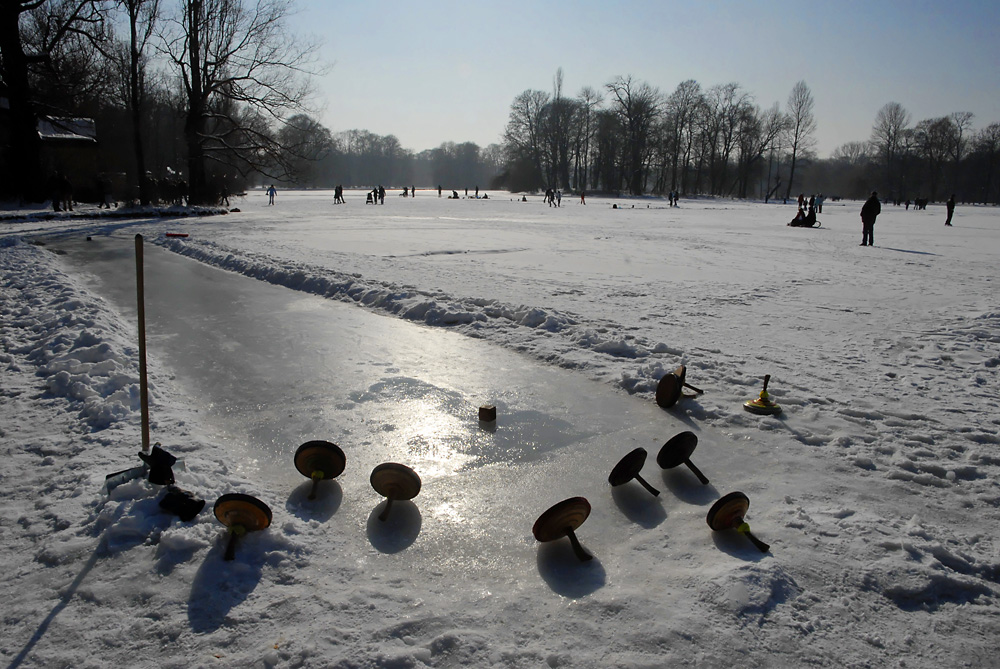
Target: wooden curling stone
[
  {"x": 628, "y": 468},
  {"x": 319, "y": 460},
  {"x": 241, "y": 514},
  {"x": 561, "y": 521},
  {"x": 394, "y": 482},
  {"x": 677, "y": 451},
  {"x": 671, "y": 385},
  {"x": 728, "y": 514}
]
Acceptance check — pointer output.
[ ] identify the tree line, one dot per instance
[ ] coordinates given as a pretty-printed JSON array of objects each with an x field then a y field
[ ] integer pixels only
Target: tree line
[
  {"x": 215, "y": 93},
  {"x": 629, "y": 137},
  {"x": 199, "y": 91}
]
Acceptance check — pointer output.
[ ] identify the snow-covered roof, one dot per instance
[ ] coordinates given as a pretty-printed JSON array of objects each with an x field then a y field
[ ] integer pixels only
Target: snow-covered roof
[{"x": 67, "y": 129}]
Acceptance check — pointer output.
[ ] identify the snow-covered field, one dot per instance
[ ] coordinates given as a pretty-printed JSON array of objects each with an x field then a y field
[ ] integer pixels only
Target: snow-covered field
[{"x": 384, "y": 328}]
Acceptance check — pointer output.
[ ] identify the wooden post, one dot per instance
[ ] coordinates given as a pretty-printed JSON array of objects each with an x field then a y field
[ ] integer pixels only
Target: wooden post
[{"x": 143, "y": 385}]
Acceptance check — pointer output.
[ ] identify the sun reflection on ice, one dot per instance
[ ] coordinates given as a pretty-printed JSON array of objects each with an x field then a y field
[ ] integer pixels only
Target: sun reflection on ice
[{"x": 437, "y": 440}]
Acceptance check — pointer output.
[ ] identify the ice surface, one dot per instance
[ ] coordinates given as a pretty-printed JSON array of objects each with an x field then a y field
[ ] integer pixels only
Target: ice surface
[{"x": 384, "y": 328}]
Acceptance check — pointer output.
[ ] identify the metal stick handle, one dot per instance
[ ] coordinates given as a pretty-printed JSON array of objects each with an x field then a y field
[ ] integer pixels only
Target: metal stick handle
[
  {"x": 577, "y": 548},
  {"x": 697, "y": 472},
  {"x": 646, "y": 485},
  {"x": 388, "y": 505},
  {"x": 231, "y": 547}
]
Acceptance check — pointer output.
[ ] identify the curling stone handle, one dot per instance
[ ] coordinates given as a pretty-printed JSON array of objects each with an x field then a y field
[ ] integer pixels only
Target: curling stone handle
[
  {"x": 697, "y": 472},
  {"x": 697, "y": 390},
  {"x": 646, "y": 485},
  {"x": 767, "y": 379},
  {"x": 315, "y": 487},
  {"x": 231, "y": 547},
  {"x": 388, "y": 505},
  {"x": 577, "y": 548},
  {"x": 745, "y": 529}
]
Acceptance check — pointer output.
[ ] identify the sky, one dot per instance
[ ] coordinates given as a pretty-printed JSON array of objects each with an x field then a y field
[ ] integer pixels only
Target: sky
[{"x": 443, "y": 71}]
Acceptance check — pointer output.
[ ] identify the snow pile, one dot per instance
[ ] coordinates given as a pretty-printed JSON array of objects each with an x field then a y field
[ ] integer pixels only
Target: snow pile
[
  {"x": 518, "y": 326},
  {"x": 73, "y": 342}
]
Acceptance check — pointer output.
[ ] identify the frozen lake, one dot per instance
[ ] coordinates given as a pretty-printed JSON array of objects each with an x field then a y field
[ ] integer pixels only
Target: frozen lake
[{"x": 383, "y": 328}]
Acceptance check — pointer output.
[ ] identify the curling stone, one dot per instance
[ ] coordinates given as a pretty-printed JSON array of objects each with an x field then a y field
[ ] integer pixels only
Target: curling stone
[
  {"x": 677, "y": 451},
  {"x": 319, "y": 460},
  {"x": 671, "y": 385},
  {"x": 394, "y": 481},
  {"x": 727, "y": 514},
  {"x": 628, "y": 468},
  {"x": 763, "y": 404},
  {"x": 561, "y": 520},
  {"x": 241, "y": 514}
]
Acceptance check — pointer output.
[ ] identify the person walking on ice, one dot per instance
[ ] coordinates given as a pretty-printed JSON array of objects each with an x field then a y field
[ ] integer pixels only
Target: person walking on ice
[
  {"x": 950, "y": 206},
  {"x": 271, "y": 192},
  {"x": 869, "y": 212}
]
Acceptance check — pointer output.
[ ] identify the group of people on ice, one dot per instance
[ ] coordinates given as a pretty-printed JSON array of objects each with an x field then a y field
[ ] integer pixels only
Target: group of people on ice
[{"x": 806, "y": 218}]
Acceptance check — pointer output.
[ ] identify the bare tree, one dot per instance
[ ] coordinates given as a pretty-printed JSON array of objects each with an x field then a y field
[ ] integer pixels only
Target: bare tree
[
  {"x": 242, "y": 73},
  {"x": 558, "y": 119},
  {"x": 588, "y": 100},
  {"x": 935, "y": 139},
  {"x": 802, "y": 125},
  {"x": 523, "y": 139},
  {"x": 60, "y": 19},
  {"x": 852, "y": 153},
  {"x": 986, "y": 148},
  {"x": 637, "y": 106},
  {"x": 962, "y": 125},
  {"x": 759, "y": 130},
  {"x": 725, "y": 108},
  {"x": 890, "y": 122},
  {"x": 142, "y": 17},
  {"x": 682, "y": 106}
]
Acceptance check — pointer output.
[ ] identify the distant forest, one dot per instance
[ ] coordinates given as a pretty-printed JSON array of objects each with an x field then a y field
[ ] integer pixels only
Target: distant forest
[{"x": 211, "y": 96}]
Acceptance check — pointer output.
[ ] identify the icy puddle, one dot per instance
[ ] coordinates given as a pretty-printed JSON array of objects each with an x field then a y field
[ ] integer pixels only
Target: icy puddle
[{"x": 272, "y": 368}]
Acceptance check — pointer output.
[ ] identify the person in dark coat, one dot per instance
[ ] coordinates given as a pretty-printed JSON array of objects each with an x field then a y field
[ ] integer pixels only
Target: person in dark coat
[
  {"x": 869, "y": 212},
  {"x": 950, "y": 206}
]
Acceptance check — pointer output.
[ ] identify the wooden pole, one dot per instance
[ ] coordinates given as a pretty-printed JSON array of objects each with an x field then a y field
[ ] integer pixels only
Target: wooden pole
[{"x": 143, "y": 385}]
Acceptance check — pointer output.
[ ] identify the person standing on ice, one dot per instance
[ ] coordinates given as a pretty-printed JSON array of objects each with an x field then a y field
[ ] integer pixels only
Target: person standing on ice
[
  {"x": 950, "y": 206},
  {"x": 271, "y": 192},
  {"x": 558, "y": 198},
  {"x": 869, "y": 212},
  {"x": 583, "y": 197}
]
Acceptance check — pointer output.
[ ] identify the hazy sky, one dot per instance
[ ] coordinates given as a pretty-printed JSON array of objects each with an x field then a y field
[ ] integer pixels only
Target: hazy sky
[{"x": 437, "y": 71}]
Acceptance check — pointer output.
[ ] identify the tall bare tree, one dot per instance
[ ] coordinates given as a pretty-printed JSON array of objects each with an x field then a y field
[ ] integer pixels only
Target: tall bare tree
[
  {"x": 637, "y": 106},
  {"x": 962, "y": 126},
  {"x": 558, "y": 117},
  {"x": 142, "y": 17},
  {"x": 890, "y": 122},
  {"x": 682, "y": 106},
  {"x": 588, "y": 100},
  {"x": 242, "y": 73},
  {"x": 523, "y": 139},
  {"x": 986, "y": 148},
  {"x": 61, "y": 20},
  {"x": 802, "y": 125},
  {"x": 759, "y": 130}
]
